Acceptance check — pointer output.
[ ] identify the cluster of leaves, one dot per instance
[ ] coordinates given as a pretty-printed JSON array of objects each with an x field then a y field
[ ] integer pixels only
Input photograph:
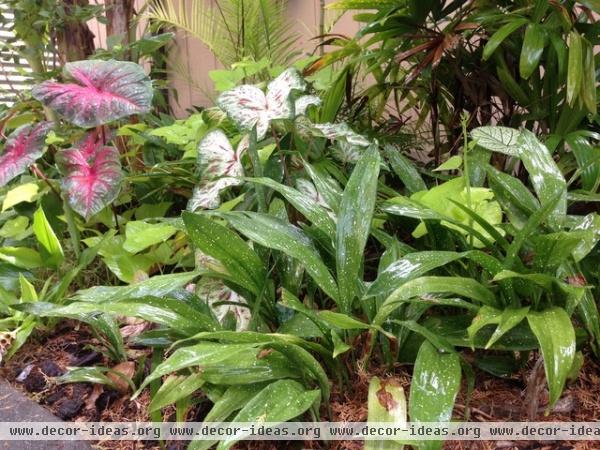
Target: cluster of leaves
[{"x": 258, "y": 242}]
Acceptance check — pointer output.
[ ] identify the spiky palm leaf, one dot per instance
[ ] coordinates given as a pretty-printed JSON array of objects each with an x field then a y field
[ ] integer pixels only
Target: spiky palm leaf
[{"x": 231, "y": 29}]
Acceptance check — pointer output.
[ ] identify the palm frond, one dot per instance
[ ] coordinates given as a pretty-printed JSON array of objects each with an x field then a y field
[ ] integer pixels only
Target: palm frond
[{"x": 231, "y": 29}]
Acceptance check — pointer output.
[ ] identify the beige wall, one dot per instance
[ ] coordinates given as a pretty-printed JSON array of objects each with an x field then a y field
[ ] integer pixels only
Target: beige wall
[{"x": 194, "y": 87}]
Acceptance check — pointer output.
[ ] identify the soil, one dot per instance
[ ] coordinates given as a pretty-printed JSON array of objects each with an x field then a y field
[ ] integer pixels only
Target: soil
[{"x": 70, "y": 344}]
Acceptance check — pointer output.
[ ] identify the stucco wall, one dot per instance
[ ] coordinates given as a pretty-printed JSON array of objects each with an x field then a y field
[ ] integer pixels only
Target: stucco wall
[{"x": 195, "y": 87}]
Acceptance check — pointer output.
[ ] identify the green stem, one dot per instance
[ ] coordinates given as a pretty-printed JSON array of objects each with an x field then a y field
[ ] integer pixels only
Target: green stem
[
  {"x": 257, "y": 168},
  {"x": 464, "y": 122},
  {"x": 72, "y": 227}
]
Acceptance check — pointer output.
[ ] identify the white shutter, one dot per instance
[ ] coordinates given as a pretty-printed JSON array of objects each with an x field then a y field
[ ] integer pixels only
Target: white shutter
[{"x": 15, "y": 74}]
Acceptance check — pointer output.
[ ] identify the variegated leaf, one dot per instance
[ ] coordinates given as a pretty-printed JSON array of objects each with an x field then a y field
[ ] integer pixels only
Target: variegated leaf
[
  {"x": 248, "y": 106},
  {"x": 103, "y": 91},
  {"x": 217, "y": 158},
  {"x": 349, "y": 145},
  {"x": 22, "y": 148},
  {"x": 206, "y": 196},
  {"x": 221, "y": 167},
  {"x": 223, "y": 301},
  {"x": 6, "y": 340},
  {"x": 91, "y": 175},
  {"x": 304, "y": 102}
]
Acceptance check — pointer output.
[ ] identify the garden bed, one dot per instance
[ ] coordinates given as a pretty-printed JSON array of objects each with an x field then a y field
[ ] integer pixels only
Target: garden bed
[{"x": 493, "y": 399}]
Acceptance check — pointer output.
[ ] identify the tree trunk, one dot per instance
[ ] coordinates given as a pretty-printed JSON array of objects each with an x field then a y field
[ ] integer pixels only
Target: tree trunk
[
  {"x": 74, "y": 40},
  {"x": 118, "y": 16}
]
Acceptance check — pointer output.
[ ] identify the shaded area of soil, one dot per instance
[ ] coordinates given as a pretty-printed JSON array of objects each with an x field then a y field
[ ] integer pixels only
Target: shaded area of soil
[{"x": 494, "y": 399}]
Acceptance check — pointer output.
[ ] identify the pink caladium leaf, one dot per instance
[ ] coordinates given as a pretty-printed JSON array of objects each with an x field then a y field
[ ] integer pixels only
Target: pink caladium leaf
[
  {"x": 103, "y": 91},
  {"x": 221, "y": 168},
  {"x": 248, "y": 106},
  {"x": 91, "y": 175},
  {"x": 22, "y": 148}
]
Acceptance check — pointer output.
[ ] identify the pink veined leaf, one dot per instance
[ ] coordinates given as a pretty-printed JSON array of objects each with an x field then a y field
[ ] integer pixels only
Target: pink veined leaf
[
  {"x": 103, "y": 91},
  {"x": 91, "y": 175},
  {"x": 22, "y": 148},
  {"x": 248, "y": 106},
  {"x": 221, "y": 168}
]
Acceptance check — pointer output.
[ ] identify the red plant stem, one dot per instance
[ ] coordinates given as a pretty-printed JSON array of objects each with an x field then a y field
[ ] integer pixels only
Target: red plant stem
[{"x": 42, "y": 176}]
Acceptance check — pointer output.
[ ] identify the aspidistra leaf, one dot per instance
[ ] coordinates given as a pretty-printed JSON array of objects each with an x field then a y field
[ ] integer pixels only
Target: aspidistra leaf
[
  {"x": 103, "y": 91},
  {"x": 556, "y": 336},
  {"x": 22, "y": 148}
]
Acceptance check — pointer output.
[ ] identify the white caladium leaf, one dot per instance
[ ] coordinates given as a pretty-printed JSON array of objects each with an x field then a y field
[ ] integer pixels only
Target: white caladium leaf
[
  {"x": 302, "y": 103},
  {"x": 221, "y": 168},
  {"x": 349, "y": 145},
  {"x": 91, "y": 175},
  {"x": 248, "y": 106},
  {"x": 206, "y": 195},
  {"x": 102, "y": 91},
  {"x": 22, "y": 148},
  {"x": 223, "y": 300}
]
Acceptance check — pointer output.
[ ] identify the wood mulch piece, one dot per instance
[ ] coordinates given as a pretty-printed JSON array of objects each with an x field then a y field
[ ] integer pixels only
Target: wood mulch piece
[{"x": 494, "y": 399}]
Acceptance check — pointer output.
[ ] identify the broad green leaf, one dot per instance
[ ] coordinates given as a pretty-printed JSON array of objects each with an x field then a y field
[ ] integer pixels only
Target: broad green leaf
[
  {"x": 354, "y": 223},
  {"x": 170, "y": 312},
  {"x": 407, "y": 268},
  {"x": 23, "y": 193},
  {"x": 157, "y": 286},
  {"x": 556, "y": 336},
  {"x": 453, "y": 163},
  {"x": 23, "y": 257},
  {"x": 339, "y": 346},
  {"x": 15, "y": 228},
  {"x": 506, "y": 320},
  {"x": 499, "y": 36},
  {"x": 588, "y": 160},
  {"x": 276, "y": 234},
  {"x": 304, "y": 204},
  {"x": 532, "y": 49},
  {"x": 326, "y": 186},
  {"x": 28, "y": 293},
  {"x": 404, "y": 169},
  {"x": 127, "y": 267},
  {"x": 588, "y": 79},
  {"x": 243, "y": 265},
  {"x": 227, "y": 364},
  {"x": 280, "y": 401},
  {"x": 174, "y": 389},
  {"x": 95, "y": 375},
  {"x": 575, "y": 67},
  {"x": 442, "y": 201},
  {"x": 419, "y": 287},
  {"x": 141, "y": 235},
  {"x": 386, "y": 404},
  {"x": 546, "y": 178},
  {"x": 47, "y": 239},
  {"x": 433, "y": 389},
  {"x": 234, "y": 399},
  {"x": 342, "y": 321},
  {"x": 517, "y": 201}
]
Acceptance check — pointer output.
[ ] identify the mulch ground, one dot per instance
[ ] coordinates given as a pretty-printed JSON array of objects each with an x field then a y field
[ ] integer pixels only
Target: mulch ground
[{"x": 494, "y": 399}]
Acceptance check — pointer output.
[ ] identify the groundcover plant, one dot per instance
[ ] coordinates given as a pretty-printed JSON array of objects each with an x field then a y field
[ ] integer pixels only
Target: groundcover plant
[{"x": 265, "y": 252}]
